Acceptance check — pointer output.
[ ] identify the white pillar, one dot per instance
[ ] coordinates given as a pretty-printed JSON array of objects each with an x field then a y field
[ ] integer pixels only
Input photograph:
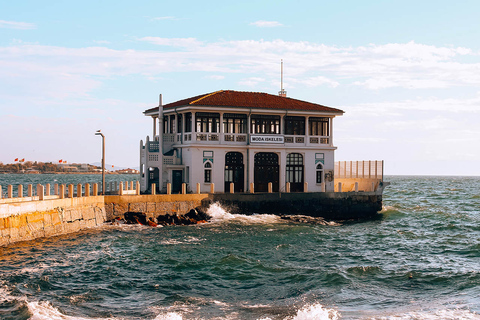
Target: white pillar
[
  {"x": 356, "y": 186},
  {"x": 331, "y": 132},
  {"x": 70, "y": 190},
  {"x": 154, "y": 188},
  {"x": 40, "y": 192}
]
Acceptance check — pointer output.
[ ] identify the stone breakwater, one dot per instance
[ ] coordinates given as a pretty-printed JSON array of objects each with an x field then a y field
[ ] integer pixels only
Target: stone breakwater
[
  {"x": 22, "y": 221},
  {"x": 29, "y": 220}
]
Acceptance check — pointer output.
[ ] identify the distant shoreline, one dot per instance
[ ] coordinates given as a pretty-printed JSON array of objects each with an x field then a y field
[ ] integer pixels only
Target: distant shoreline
[{"x": 115, "y": 173}]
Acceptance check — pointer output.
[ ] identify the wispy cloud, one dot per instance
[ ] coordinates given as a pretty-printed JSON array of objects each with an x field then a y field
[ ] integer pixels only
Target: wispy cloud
[
  {"x": 166, "y": 18},
  {"x": 251, "y": 82},
  {"x": 101, "y": 41},
  {"x": 266, "y": 24},
  {"x": 373, "y": 67},
  {"x": 172, "y": 42},
  {"x": 17, "y": 25},
  {"x": 215, "y": 77}
]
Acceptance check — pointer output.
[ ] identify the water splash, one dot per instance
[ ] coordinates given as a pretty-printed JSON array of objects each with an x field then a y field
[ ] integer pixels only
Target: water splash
[
  {"x": 317, "y": 312},
  {"x": 220, "y": 214}
]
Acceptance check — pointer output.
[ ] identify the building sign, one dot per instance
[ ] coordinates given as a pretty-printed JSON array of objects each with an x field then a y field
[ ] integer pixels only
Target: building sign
[{"x": 266, "y": 139}]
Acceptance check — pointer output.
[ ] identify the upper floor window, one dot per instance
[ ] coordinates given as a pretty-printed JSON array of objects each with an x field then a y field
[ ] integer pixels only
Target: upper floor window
[
  {"x": 265, "y": 124},
  {"x": 188, "y": 122},
  {"x": 295, "y": 125},
  {"x": 207, "y": 122},
  {"x": 179, "y": 123},
  {"x": 234, "y": 123},
  {"x": 318, "y": 126}
]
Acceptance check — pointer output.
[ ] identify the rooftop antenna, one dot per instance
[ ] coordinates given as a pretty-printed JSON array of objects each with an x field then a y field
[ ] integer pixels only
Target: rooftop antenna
[{"x": 282, "y": 93}]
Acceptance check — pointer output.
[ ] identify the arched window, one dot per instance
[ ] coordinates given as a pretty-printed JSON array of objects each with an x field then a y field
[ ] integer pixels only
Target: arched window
[
  {"x": 319, "y": 170},
  {"x": 207, "y": 172}
]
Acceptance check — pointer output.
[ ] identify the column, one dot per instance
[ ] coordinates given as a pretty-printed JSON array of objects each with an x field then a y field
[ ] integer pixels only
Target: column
[{"x": 331, "y": 132}]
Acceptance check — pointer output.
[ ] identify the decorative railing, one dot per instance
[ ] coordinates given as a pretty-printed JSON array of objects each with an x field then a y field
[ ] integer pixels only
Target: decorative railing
[
  {"x": 371, "y": 169},
  {"x": 61, "y": 191}
]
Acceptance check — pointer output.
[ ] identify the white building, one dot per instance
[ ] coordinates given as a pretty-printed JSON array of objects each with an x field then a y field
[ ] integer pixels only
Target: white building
[{"x": 240, "y": 137}]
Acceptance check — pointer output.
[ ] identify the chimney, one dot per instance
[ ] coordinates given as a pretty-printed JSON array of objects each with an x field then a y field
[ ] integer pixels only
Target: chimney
[{"x": 282, "y": 93}]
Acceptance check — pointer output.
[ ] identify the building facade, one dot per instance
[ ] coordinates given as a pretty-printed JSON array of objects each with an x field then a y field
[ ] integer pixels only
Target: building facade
[{"x": 237, "y": 137}]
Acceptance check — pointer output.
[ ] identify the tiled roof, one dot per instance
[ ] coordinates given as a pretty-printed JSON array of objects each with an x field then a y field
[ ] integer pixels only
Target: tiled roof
[{"x": 230, "y": 98}]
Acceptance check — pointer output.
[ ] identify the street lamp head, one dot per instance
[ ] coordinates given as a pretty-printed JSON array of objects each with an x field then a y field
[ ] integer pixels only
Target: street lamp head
[{"x": 99, "y": 133}]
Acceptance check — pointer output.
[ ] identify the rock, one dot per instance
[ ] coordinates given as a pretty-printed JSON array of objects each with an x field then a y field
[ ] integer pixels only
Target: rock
[{"x": 135, "y": 218}]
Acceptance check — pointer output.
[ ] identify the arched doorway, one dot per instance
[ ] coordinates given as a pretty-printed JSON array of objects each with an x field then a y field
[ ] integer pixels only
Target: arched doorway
[
  {"x": 266, "y": 170},
  {"x": 294, "y": 173},
  {"x": 234, "y": 171}
]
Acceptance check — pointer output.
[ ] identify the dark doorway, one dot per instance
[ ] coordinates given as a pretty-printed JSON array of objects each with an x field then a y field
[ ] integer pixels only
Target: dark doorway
[
  {"x": 177, "y": 180},
  {"x": 266, "y": 170},
  {"x": 294, "y": 173},
  {"x": 234, "y": 171},
  {"x": 153, "y": 175}
]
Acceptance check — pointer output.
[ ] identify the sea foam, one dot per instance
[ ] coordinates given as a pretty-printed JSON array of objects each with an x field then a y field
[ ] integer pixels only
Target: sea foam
[{"x": 219, "y": 214}]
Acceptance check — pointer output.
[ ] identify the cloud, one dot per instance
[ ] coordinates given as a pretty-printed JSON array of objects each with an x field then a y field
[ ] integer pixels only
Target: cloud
[
  {"x": 215, "y": 77},
  {"x": 266, "y": 24},
  {"x": 50, "y": 71},
  {"x": 317, "y": 81},
  {"x": 172, "y": 42},
  {"x": 17, "y": 25},
  {"x": 101, "y": 41},
  {"x": 165, "y": 18},
  {"x": 251, "y": 82}
]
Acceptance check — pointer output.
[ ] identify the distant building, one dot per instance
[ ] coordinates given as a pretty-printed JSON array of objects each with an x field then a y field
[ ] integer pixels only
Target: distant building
[
  {"x": 240, "y": 137},
  {"x": 128, "y": 171}
]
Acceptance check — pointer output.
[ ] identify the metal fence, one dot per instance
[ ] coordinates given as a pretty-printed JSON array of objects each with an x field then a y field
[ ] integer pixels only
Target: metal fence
[{"x": 371, "y": 169}]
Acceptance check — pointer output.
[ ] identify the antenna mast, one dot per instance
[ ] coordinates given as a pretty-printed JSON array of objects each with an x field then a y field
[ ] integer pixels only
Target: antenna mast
[{"x": 282, "y": 93}]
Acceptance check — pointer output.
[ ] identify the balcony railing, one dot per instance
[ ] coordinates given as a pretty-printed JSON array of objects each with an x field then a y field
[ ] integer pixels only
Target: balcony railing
[{"x": 236, "y": 138}]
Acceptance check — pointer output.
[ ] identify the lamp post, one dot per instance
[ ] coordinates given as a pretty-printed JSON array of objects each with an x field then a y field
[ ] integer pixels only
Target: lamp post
[{"x": 98, "y": 133}]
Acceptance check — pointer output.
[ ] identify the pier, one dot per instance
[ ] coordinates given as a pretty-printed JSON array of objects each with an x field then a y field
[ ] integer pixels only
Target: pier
[{"x": 51, "y": 210}]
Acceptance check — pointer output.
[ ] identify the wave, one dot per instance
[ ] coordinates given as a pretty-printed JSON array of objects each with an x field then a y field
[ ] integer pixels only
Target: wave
[
  {"x": 219, "y": 214},
  {"x": 443, "y": 314},
  {"x": 309, "y": 312}
]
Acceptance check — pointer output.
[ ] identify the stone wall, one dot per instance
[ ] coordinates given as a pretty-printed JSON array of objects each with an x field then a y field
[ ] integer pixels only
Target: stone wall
[
  {"x": 152, "y": 205},
  {"x": 23, "y": 221}
]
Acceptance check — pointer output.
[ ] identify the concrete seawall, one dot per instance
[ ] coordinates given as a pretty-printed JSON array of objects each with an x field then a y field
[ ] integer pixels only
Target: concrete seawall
[
  {"x": 329, "y": 205},
  {"x": 152, "y": 205},
  {"x": 22, "y": 221}
]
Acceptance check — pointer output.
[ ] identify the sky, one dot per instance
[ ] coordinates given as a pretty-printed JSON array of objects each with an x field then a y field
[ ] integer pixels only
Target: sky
[{"x": 406, "y": 73}]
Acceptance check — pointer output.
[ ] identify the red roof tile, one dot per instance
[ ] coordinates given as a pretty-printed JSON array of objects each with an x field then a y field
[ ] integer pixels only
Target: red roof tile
[{"x": 230, "y": 98}]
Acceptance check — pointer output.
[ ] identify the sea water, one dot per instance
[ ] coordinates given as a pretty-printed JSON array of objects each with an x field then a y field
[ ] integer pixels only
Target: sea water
[{"x": 420, "y": 259}]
